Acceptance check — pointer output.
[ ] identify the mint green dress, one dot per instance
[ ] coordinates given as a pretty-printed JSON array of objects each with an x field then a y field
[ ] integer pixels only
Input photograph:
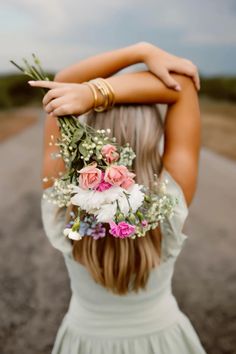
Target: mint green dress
[{"x": 149, "y": 322}]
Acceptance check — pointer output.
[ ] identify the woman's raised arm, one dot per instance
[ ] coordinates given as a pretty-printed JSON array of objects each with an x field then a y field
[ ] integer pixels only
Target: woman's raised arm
[
  {"x": 158, "y": 61},
  {"x": 103, "y": 65},
  {"x": 182, "y": 125}
]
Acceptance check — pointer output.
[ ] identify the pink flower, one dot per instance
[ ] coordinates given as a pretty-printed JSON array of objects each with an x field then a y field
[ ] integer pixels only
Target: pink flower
[
  {"x": 116, "y": 175},
  {"x": 114, "y": 230},
  {"x": 90, "y": 176},
  {"x": 122, "y": 229},
  {"x": 110, "y": 153},
  {"x": 144, "y": 223},
  {"x": 128, "y": 182},
  {"x": 103, "y": 186}
]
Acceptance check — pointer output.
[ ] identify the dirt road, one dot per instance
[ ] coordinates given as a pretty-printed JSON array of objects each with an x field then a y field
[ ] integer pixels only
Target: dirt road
[{"x": 34, "y": 286}]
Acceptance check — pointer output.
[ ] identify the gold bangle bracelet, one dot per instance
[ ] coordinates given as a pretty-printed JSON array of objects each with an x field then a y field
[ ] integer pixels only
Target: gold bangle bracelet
[
  {"x": 106, "y": 89},
  {"x": 94, "y": 92},
  {"x": 107, "y": 93},
  {"x": 103, "y": 90},
  {"x": 111, "y": 92}
]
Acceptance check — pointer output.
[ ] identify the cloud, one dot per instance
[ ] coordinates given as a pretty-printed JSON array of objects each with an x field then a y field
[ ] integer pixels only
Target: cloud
[{"x": 62, "y": 31}]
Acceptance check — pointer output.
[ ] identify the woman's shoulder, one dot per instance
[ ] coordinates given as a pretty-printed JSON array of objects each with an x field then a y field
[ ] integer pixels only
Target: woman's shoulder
[
  {"x": 172, "y": 226},
  {"x": 173, "y": 186},
  {"x": 53, "y": 220}
]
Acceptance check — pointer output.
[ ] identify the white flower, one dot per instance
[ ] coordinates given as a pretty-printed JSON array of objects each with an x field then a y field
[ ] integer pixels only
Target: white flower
[
  {"x": 106, "y": 212},
  {"x": 73, "y": 235},
  {"x": 123, "y": 203},
  {"x": 66, "y": 231},
  {"x": 136, "y": 197},
  {"x": 89, "y": 200},
  {"x": 104, "y": 204}
]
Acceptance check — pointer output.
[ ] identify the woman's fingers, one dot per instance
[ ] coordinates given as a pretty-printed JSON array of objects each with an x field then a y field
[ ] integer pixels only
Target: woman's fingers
[
  {"x": 196, "y": 80},
  {"x": 192, "y": 72},
  {"x": 55, "y": 101},
  {"x": 61, "y": 106},
  {"x": 169, "y": 81},
  {"x": 54, "y": 105},
  {"x": 63, "y": 110},
  {"x": 46, "y": 84},
  {"x": 53, "y": 93},
  {"x": 186, "y": 67}
]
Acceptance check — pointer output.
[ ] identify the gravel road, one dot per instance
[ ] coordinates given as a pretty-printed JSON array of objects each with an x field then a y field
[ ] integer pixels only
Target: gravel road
[{"x": 34, "y": 286}]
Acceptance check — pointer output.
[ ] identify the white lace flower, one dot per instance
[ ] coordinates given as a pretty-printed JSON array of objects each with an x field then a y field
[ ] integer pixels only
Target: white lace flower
[
  {"x": 123, "y": 203},
  {"x": 136, "y": 196},
  {"x": 106, "y": 213},
  {"x": 91, "y": 200}
]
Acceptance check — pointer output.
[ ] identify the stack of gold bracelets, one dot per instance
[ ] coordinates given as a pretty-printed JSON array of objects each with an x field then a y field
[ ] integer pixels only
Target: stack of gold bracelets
[{"x": 106, "y": 91}]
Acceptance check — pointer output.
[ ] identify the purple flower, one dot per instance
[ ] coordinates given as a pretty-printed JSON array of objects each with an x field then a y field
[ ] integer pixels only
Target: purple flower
[
  {"x": 84, "y": 227},
  {"x": 122, "y": 229},
  {"x": 98, "y": 231}
]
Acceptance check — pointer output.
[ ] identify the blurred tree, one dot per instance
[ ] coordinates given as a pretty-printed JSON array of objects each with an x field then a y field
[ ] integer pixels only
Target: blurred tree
[{"x": 15, "y": 91}]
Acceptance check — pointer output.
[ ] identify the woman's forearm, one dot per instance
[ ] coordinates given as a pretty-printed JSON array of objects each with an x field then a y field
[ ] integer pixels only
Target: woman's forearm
[
  {"x": 104, "y": 64},
  {"x": 140, "y": 87},
  {"x": 143, "y": 87}
]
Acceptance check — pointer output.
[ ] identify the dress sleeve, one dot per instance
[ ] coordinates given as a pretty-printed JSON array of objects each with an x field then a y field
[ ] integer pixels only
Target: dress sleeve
[
  {"x": 171, "y": 228},
  {"x": 54, "y": 224}
]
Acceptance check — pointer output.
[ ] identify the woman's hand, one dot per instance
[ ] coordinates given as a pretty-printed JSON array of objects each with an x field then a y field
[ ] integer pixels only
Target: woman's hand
[
  {"x": 162, "y": 64},
  {"x": 64, "y": 99}
]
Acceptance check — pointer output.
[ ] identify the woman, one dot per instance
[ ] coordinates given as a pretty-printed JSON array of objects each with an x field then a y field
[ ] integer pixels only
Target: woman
[{"x": 104, "y": 315}]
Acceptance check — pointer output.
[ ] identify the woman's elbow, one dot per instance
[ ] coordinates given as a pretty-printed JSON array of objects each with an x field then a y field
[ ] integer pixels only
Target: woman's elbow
[{"x": 186, "y": 83}]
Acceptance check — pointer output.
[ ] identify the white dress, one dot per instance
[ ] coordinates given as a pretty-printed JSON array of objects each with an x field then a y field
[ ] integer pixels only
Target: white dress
[{"x": 99, "y": 322}]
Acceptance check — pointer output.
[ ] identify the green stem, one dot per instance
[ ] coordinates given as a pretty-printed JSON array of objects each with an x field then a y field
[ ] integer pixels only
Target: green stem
[
  {"x": 37, "y": 74},
  {"x": 17, "y": 66},
  {"x": 40, "y": 69}
]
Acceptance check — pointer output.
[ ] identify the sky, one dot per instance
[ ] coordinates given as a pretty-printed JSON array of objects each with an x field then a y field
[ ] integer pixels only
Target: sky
[{"x": 62, "y": 32}]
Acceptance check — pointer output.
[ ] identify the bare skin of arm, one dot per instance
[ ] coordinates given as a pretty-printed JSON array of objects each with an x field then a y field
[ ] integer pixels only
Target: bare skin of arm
[
  {"x": 102, "y": 65},
  {"x": 158, "y": 61},
  {"x": 182, "y": 124}
]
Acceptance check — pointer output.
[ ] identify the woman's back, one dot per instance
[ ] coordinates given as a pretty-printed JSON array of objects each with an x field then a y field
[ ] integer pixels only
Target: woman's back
[{"x": 99, "y": 321}]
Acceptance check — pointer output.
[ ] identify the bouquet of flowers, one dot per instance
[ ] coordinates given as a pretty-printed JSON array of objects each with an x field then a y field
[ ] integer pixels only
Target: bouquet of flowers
[{"x": 99, "y": 182}]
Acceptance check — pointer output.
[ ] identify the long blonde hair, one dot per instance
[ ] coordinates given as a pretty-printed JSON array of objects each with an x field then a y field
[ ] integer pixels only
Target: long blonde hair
[{"x": 124, "y": 265}]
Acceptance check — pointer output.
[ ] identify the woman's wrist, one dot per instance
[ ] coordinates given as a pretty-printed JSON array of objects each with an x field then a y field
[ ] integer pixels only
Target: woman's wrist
[
  {"x": 140, "y": 51},
  {"x": 100, "y": 94},
  {"x": 144, "y": 49},
  {"x": 96, "y": 99}
]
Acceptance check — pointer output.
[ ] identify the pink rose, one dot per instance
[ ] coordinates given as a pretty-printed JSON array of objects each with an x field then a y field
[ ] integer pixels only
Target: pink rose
[
  {"x": 90, "y": 176},
  {"x": 116, "y": 175},
  {"x": 110, "y": 153},
  {"x": 122, "y": 229},
  {"x": 103, "y": 186},
  {"x": 128, "y": 182}
]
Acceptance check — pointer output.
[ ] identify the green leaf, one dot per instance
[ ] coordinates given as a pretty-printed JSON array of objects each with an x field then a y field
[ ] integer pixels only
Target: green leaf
[
  {"x": 73, "y": 156},
  {"x": 82, "y": 149},
  {"x": 77, "y": 136}
]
